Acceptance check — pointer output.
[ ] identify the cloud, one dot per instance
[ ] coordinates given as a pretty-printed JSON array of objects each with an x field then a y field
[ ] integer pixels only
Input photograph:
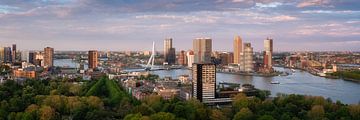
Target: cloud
[
  {"x": 309, "y": 3},
  {"x": 270, "y": 5},
  {"x": 329, "y": 29},
  {"x": 330, "y": 12}
]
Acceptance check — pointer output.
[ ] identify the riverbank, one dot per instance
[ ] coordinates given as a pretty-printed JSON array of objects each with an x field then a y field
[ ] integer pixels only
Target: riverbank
[{"x": 255, "y": 74}]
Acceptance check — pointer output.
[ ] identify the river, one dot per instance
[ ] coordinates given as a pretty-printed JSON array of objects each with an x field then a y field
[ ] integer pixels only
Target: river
[{"x": 300, "y": 82}]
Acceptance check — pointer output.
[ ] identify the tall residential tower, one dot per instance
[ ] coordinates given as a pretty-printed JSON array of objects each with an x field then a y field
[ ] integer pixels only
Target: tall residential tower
[
  {"x": 268, "y": 45},
  {"x": 202, "y": 50},
  {"x": 238, "y": 49},
  {"x": 93, "y": 59},
  {"x": 48, "y": 57},
  {"x": 169, "y": 51}
]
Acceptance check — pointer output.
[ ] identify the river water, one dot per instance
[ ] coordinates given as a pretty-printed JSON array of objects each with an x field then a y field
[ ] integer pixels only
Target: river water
[{"x": 300, "y": 82}]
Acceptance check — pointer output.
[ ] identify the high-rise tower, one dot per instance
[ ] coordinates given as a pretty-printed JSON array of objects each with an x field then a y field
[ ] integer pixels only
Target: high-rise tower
[
  {"x": 169, "y": 51},
  {"x": 268, "y": 45},
  {"x": 202, "y": 50},
  {"x": 204, "y": 81},
  {"x": 48, "y": 56},
  {"x": 238, "y": 49},
  {"x": 93, "y": 59}
]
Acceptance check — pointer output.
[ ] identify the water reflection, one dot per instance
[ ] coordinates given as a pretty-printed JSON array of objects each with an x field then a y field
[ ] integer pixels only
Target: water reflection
[{"x": 300, "y": 82}]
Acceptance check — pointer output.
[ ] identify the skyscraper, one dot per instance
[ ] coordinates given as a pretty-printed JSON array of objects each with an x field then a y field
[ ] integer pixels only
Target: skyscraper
[
  {"x": 32, "y": 57},
  {"x": 93, "y": 59},
  {"x": 13, "y": 53},
  {"x": 248, "y": 65},
  {"x": 202, "y": 50},
  {"x": 238, "y": 49},
  {"x": 25, "y": 56},
  {"x": 169, "y": 51},
  {"x": 268, "y": 45},
  {"x": 48, "y": 57},
  {"x": 7, "y": 55},
  {"x": 190, "y": 58},
  {"x": 1, "y": 54},
  {"x": 182, "y": 58},
  {"x": 204, "y": 81}
]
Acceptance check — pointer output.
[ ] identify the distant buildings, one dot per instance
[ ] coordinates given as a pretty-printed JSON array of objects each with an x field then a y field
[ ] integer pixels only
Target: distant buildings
[
  {"x": 2, "y": 54},
  {"x": 238, "y": 50},
  {"x": 93, "y": 59},
  {"x": 190, "y": 58},
  {"x": 7, "y": 55},
  {"x": 248, "y": 65},
  {"x": 169, "y": 51},
  {"x": 202, "y": 50},
  {"x": 13, "y": 57},
  {"x": 48, "y": 57},
  {"x": 268, "y": 45},
  {"x": 24, "y": 74},
  {"x": 182, "y": 58},
  {"x": 226, "y": 58}
]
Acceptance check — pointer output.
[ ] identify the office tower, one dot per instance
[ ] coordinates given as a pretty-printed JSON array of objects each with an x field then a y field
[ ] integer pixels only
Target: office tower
[
  {"x": 202, "y": 50},
  {"x": 248, "y": 65},
  {"x": 169, "y": 51},
  {"x": 204, "y": 81},
  {"x": 182, "y": 58},
  {"x": 238, "y": 49},
  {"x": 93, "y": 59},
  {"x": 48, "y": 57},
  {"x": 1, "y": 54},
  {"x": 190, "y": 58},
  {"x": 268, "y": 45},
  {"x": 13, "y": 53},
  {"x": 7, "y": 55},
  {"x": 39, "y": 59},
  {"x": 32, "y": 57},
  {"x": 25, "y": 56},
  {"x": 226, "y": 58}
]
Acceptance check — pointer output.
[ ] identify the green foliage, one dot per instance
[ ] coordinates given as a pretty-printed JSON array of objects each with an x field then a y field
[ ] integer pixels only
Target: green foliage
[
  {"x": 355, "y": 75},
  {"x": 105, "y": 99}
]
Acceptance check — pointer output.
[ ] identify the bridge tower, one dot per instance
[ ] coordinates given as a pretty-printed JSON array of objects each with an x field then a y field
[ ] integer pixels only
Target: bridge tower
[{"x": 150, "y": 64}]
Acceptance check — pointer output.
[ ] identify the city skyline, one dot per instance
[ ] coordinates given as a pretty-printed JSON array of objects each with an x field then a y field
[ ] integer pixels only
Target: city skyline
[{"x": 299, "y": 25}]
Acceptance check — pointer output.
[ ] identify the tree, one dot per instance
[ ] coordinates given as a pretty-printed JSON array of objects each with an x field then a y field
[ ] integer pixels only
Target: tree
[
  {"x": 163, "y": 116},
  {"x": 355, "y": 111},
  {"x": 240, "y": 101},
  {"x": 244, "y": 114},
  {"x": 217, "y": 115},
  {"x": 133, "y": 116},
  {"x": 94, "y": 102},
  {"x": 317, "y": 112},
  {"x": 266, "y": 117},
  {"x": 47, "y": 113}
]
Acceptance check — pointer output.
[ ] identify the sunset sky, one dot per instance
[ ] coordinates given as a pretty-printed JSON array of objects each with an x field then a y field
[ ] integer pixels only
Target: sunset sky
[{"x": 133, "y": 24}]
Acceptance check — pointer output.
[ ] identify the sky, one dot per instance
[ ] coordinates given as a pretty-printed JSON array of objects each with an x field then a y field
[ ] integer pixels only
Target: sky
[{"x": 295, "y": 25}]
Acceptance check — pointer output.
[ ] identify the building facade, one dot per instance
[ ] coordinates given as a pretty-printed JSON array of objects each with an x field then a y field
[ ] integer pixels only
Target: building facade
[
  {"x": 169, "y": 51},
  {"x": 48, "y": 57},
  {"x": 248, "y": 65},
  {"x": 190, "y": 58},
  {"x": 182, "y": 58},
  {"x": 93, "y": 59},
  {"x": 204, "y": 81},
  {"x": 13, "y": 53},
  {"x": 268, "y": 45},
  {"x": 238, "y": 49},
  {"x": 202, "y": 50},
  {"x": 7, "y": 55}
]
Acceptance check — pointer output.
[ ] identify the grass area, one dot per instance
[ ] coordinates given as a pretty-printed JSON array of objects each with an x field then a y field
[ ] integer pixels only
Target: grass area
[{"x": 353, "y": 75}]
